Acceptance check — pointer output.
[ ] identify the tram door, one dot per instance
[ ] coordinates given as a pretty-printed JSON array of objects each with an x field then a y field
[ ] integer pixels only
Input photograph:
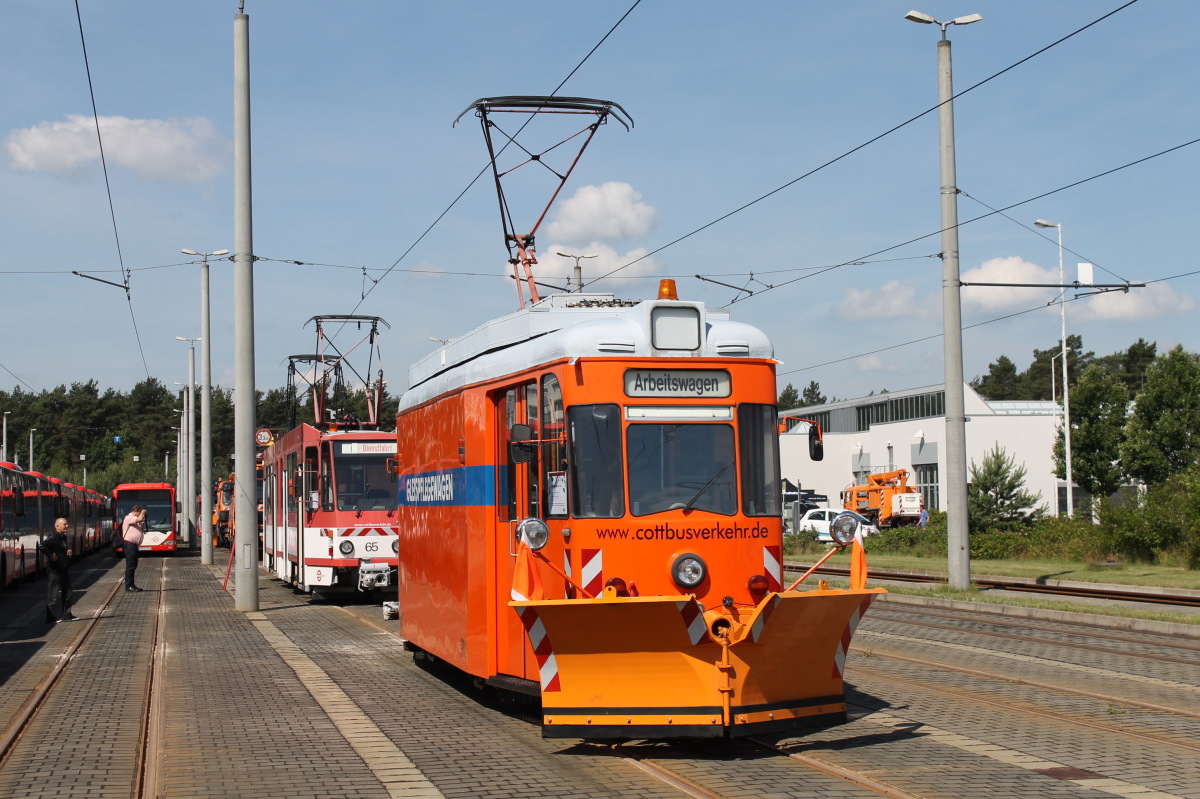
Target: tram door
[{"x": 516, "y": 499}]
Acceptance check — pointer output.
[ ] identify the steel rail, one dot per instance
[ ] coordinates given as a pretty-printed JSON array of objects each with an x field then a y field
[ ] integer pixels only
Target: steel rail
[
  {"x": 30, "y": 707},
  {"x": 1132, "y": 594},
  {"x": 1036, "y": 684},
  {"x": 148, "y": 773},
  {"x": 975, "y": 698},
  {"x": 925, "y": 623},
  {"x": 837, "y": 771}
]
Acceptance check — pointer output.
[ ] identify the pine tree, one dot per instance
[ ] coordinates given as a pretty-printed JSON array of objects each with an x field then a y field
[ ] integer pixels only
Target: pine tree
[{"x": 996, "y": 495}]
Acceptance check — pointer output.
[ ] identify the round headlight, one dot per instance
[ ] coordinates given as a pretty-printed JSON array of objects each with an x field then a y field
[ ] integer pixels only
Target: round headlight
[
  {"x": 534, "y": 532},
  {"x": 396, "y": 545},
  {"x": 346, "y": 547},
  {"x": 688, "y": 571},
  {"x": 843, "y": 528}
]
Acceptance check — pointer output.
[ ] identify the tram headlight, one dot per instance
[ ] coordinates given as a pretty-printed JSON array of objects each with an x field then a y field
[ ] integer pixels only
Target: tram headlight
[
  {"x": 346, "y": 547},
  {"x": 843, "y": 528},
  {"x": 534, "y": 532},
  {"x": 688, "y": 571},
  {"x": 396, "y": 545}
]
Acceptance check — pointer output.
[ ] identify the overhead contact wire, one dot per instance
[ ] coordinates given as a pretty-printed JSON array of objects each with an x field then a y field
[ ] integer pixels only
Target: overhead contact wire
[
  {"x": 866, "y": 143},
  {"x": 112, "y": 211},
  {"x": 483, "y": 171}
]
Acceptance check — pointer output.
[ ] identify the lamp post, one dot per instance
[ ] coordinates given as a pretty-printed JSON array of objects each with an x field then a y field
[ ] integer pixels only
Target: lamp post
[
  {"x": 957, "y": 533},
  {"x": 1062, "y": 305},
  {"x": 189, "y": 476},
  {"x": 206, "y": 499},
  {"x": 29, "y": 468},
  {"x": 5, "y": 458},
  {"x": 578, "y": 270}
]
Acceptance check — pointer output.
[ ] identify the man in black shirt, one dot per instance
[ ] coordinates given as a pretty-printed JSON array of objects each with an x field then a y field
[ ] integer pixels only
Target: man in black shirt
[{"x": 58, "y": 553}]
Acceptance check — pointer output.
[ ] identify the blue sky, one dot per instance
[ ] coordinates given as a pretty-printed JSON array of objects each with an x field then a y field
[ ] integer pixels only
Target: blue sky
[{"x": 354, "y": 158}]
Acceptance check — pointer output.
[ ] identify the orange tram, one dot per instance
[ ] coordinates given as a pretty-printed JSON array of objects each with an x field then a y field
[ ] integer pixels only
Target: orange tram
[{"x": 589, "y": 512}]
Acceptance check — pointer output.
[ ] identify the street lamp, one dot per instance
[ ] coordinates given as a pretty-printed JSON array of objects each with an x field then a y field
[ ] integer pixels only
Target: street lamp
[
  {"x": 206, "y": 553},
  {"x": 189, "y": 477},
  {"x": 1062, "y": 305},
  {"x": 29, "y": 468},
  {"x": 578, "y": 270},
  {"x": 5, "y": 457},
  {"x": 957, "y": 534}
]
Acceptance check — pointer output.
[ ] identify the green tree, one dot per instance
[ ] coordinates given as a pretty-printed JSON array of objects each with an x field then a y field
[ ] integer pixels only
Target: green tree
[
  {"x": 812, "y": 395},
  {"x": 996, "y": 496},
  {"x": 1097, "y": 430},
  {"x": 788, "y": 399},
  {"x": 1001, "y": 381},
  {"x": 1162, "y": 437}
]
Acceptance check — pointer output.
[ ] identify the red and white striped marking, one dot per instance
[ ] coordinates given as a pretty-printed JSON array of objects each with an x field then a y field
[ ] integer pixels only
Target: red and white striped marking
[
  {"x": 592, "y": 573},
  {"x": 347, "y": 532},
  {"x": 570, "y": 574},
  {"x": 693, "y": 619},
  {"x": 547, "y": 665},
  {"x": 773, "y": 567},
  {"x": 759, "y": 623},
  {"x": 839, "y": 660}
]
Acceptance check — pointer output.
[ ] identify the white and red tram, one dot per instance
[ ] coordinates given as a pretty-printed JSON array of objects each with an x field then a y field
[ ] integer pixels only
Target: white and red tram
[{"x": 329, "y": 510}]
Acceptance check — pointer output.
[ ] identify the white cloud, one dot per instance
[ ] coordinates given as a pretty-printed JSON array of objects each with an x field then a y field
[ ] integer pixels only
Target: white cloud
[
  {"x": 1155, "y": 301},
  {"x": 608, "y": 212},
  {"x": 556, "y": 268},
  {"x": 892, "y": 300},
  {"x": 172, "y": 150},
  {"x": 876, "y": 363},
  {"x": 1012, "y": 269}
]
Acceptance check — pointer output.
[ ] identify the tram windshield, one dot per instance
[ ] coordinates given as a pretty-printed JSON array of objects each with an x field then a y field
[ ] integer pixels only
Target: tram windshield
[
  {"x": 360, "y": 472},
  {"x": 673, "y": 466}
]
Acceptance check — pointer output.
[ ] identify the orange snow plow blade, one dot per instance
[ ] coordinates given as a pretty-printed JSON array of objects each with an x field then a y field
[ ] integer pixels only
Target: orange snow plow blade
[{"x": 653, "y": 667}]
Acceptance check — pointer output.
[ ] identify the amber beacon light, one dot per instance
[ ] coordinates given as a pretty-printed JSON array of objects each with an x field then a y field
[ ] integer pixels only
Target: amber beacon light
[{"x": 666, "y": 290}]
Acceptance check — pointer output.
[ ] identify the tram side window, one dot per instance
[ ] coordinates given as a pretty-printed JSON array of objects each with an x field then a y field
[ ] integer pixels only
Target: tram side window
[
  {"x": 597, "y": 462},
  {"x": 554, "y": 452},
  {"x": 326, "y": 477},
  {"x": 293, "y": 476},
  {"x": 506, "y": 496},
  {"x": 759, "y": 448}
]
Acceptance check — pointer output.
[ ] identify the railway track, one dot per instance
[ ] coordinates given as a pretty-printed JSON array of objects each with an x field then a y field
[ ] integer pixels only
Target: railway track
[
  {"x": 65, "y": 690},
  {"x": 1156, "y": 596}
]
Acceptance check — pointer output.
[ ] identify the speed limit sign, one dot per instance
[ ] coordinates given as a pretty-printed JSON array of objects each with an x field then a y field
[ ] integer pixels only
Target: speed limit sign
[{"x": 263, "y": 438}]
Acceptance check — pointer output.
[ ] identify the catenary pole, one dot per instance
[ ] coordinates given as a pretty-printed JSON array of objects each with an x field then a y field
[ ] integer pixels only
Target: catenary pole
[
  {"x": 246, "y": 501},
  {"x": 957, "y": 532}
]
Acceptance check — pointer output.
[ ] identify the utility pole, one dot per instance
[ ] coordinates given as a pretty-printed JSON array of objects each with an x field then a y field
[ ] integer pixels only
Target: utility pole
[
  {"x": 246, "y": 537},
  {"x": 206, "y": 480},
  {"x": 957, "y": 531}
]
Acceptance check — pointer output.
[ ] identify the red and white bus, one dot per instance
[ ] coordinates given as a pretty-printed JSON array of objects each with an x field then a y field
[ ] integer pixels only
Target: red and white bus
[{"x": 162, "y": 524}]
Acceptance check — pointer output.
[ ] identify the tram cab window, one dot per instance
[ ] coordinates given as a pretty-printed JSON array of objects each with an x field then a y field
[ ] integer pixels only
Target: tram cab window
[
  {"x": 517, "y": 484},
  {"x": 675, "y": 465},
  {"x": 326, "y": 478},
  {"x": 553, "y": 451},
  {"x": 759, "y": 450},
  {"x": 597, "y": 464}
]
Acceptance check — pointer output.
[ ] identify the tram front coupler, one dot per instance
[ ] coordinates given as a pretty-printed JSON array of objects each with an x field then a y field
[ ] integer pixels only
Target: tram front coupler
[{"x": 375, "y": 575}]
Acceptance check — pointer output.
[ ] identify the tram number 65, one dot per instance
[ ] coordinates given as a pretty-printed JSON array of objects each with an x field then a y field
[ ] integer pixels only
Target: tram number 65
[{"x": 371, "y": 546}]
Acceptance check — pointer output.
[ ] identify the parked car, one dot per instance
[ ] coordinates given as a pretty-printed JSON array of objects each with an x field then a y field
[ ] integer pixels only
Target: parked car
[{"x": 817, "y": 521}]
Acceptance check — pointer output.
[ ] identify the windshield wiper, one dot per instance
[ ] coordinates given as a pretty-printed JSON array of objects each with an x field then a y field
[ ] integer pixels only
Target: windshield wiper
[{"x": 688, "y": 507}]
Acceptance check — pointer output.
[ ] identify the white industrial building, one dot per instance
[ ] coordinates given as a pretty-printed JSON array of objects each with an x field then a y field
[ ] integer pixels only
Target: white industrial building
[{"x": 907, "y": 430}]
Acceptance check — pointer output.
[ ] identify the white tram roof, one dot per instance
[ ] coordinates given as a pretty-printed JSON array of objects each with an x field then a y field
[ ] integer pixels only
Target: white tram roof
[{"x": 571, "y": 326}]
